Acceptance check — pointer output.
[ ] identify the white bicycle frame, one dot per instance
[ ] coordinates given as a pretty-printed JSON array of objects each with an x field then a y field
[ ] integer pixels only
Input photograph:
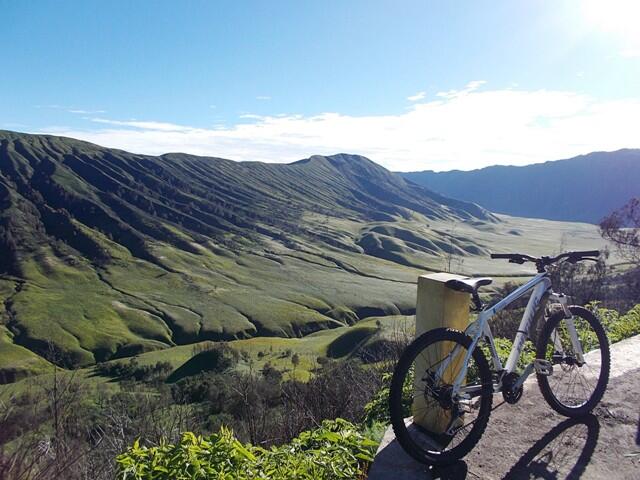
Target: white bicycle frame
[{"x": 541, "y": 284}]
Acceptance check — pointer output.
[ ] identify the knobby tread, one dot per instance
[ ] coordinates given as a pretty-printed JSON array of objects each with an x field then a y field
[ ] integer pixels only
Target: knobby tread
[
  {"x": 395, "y": 398},
  {"x": 543, "y": 382}
]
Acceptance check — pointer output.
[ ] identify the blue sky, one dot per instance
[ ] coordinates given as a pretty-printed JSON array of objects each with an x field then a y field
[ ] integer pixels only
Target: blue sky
[{"x": 413, "y": 84}]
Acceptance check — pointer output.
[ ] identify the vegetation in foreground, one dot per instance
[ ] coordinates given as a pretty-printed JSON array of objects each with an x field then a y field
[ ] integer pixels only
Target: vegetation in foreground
[
  {"x": 335, "y": 450},
  {"x": 278, "y": 425}
]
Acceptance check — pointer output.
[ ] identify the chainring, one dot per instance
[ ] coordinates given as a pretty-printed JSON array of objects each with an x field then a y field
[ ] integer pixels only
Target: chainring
[{"x": 510, "y": 394}]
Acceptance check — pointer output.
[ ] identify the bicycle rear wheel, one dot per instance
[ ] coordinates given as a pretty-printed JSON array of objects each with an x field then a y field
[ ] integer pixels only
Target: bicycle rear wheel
[
  {"x": 575, "y": 387},
  {"x": 432, "y": 425}
]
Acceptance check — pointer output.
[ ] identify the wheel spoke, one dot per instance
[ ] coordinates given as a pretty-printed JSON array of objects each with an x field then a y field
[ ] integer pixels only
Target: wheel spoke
[
  {"x": 574, "y": 386},
  {"x": 428, "y": 377}
]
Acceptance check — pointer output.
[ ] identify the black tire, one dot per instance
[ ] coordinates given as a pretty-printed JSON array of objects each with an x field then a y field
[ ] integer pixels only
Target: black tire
[
  {"x": 593, "y": 383},
  {"x": 398, "y": 405}
]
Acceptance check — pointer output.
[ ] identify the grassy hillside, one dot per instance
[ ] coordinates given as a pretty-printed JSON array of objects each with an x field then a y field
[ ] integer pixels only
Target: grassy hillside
[
  {"x": 108, "y": 254},
  {"x": 580, "y": 189}
]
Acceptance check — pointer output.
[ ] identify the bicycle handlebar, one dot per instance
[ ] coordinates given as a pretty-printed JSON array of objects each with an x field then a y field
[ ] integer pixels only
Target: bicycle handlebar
[
  {"x": 542, "y": 262},
  {"x": 513, "y": 256},
  {"x": 586, "y": 253},
  {"x": 503, "y": 255}
]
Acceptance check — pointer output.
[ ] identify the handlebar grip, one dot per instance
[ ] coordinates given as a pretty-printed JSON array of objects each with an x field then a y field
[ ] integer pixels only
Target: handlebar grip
[
  {"x": 503, "y": 255},
  {"x": 587, "y": 253}
]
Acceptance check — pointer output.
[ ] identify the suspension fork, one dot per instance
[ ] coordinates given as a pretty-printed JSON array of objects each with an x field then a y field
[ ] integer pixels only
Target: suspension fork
[
  {"x": 475, "y": 331},
  {"x": 562, "y": 300}
]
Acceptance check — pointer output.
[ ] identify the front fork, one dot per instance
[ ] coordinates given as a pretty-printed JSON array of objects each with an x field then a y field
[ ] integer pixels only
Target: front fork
[
  {"x": 538, "y": 365},
  {"x": 562, "y": 300}
]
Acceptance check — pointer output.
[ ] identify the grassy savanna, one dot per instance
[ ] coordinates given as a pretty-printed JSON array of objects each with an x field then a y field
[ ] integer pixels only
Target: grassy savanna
[
  {"x": 340, "y": 343},
  {"x": 110, "y": 254}
]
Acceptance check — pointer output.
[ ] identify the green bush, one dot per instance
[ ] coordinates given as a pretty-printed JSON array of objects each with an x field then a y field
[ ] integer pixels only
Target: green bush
[
  {"x": 618, "y": 327},
  {"x": 336, "y": 450},
  {"x": 503, "y": 347},
  {"x": 131, "y": 370},
  {"x": 377, "y": 410}
]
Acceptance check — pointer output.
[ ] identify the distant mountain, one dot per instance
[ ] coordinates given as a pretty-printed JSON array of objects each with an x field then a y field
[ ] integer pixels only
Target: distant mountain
[
  {"x": 106, "y": 253},
  {"x": 581, "y": 189}
]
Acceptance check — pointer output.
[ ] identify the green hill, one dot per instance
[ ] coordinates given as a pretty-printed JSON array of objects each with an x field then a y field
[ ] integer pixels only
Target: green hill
[{"x": 107, "y": 254}]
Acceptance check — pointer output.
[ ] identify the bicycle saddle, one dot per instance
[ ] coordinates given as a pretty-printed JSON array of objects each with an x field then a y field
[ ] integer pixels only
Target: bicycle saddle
[{"x": 469, "y": 285}]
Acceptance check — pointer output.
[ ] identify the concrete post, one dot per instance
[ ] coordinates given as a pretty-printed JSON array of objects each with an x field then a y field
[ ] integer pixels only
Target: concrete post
[{"x": 437, "y": 306}]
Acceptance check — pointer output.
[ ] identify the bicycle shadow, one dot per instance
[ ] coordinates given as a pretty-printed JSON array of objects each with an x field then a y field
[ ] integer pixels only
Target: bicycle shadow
[
  {"x": 562, "y": 452},
  {"x": 554, "y": 456},
  {"x": 551, "y": 456}
]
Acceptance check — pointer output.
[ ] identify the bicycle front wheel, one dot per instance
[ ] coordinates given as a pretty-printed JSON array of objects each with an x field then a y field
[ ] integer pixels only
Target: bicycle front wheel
[
  {"x": 432, "y": 424},
  {"x": 576, "y": 384}
]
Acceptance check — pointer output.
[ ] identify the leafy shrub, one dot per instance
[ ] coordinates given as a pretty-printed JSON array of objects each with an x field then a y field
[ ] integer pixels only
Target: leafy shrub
[
  {"x": 214, "y": 389},
  {"x": 503, "y": 348},
  {"x": 336, "y": 450},
  {"x": 618, "y": 327},
  {"x": 377, "y": 410},
  {"x": 131, "y": 370}
]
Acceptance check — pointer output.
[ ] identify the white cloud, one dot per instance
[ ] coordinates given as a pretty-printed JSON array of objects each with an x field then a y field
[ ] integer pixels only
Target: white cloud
[
  {"x": 417, "y": 96},
  {"x": 157, "y": 126},
  {"x": 53, "y": 106},
  {"x": 470, "y": 87},
  {"x": 85, "y": 112},
  {"x": 630, "y": 53},
  {"x": 462, "y": 129},
  {"x": 70, "y": 109},
  {"x": 263, "y": 97}
]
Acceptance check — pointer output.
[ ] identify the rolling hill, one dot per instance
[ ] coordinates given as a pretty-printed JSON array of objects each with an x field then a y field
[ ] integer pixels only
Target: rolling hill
[
  {"x": 107, "y": 254},
  {"x": 580, "y": 189}
]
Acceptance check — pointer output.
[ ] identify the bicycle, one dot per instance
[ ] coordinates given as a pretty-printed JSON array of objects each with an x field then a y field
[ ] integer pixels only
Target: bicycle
[{"x": 444, "y": 377}]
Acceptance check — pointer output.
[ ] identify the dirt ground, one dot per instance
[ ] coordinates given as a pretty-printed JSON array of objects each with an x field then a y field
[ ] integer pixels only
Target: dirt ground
[{"x": 530, "y": 441}]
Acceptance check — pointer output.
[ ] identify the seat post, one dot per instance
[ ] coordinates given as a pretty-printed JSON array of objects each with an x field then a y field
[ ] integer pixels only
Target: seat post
[{"x": 477, "y": 303}]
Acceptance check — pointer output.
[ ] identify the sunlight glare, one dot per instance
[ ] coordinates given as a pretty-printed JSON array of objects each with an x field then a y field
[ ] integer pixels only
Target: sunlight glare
[{"x": 620, "y": 17}]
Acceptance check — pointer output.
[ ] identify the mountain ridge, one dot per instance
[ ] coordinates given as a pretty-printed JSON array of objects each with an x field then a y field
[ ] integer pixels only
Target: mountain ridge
[
  {"x": 107, "y": 254},
  {"x": 583, "y": 188}
]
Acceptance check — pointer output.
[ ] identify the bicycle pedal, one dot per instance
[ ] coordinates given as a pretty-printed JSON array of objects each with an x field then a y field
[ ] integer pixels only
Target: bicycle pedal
[
  {"x": 466, "y": 406},
  {"x": 543, "y": 367}
]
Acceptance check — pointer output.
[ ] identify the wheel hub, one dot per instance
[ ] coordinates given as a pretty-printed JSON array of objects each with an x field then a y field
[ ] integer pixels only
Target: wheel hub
[
  {"x": 443, "y": 394},
  {"x": 444, "y": 397},
  {"x": 565, "y": 360}
]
